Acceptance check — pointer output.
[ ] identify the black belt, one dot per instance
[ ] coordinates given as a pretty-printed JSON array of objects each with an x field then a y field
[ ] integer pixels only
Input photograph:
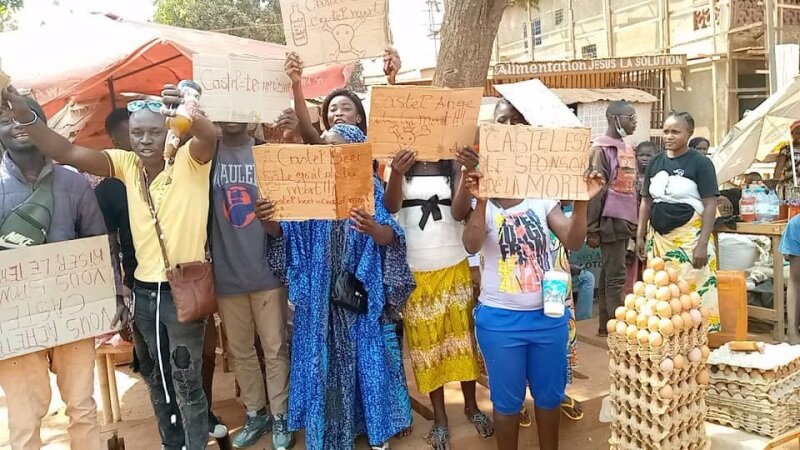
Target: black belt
[
  {"x": 429, "y": 206},
  {"x": 151, "y": 286}
]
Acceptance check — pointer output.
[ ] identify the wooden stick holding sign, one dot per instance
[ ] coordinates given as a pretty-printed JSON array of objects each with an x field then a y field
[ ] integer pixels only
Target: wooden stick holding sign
[
  {"x": 434, "y": 122},
  {"x": 519, "y": 161},
  {"x": 54, "y": 294},
  {"x": 243, "y": 89},
  {"x": 330, "y": 31},
  {"x": 315, "y": 181}
]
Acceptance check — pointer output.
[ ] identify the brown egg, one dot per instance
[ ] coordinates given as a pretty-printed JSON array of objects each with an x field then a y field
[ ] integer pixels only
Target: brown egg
[
  {"x": 611, "y": 326},
  {"x": 673, "y": 275},
  {"x": 686, "y": 302},
  {"x": 666, "y": 327},
  {"x": 655, "y": 264},
  {"x": 687, "y": 320},
  {"x": 638, "y": 288},
  {"x": 655, "y": 340},
  {"x": 630, "y": 317},
  {"x": 704, "y": 311},
  {"x": 679, "y": 361},
  {"x": 652, "y": 323},
  {"x": 683, "y": 286},
  {"x": 661, "y": 278},
  {"x": 666, "y": 366},
  {"x": 643, "y": 337},
  {"x": 649, "y": 276},
  {"x": 705, "y": 351},
  {"x": 665, "y": 393},
  {"x": 630, "y": 301},
  {"x": 696, "y": 299},
  {"x": 695, "y": 355},
  {"x": 677, "y": 320},
  {"x": 641, "y": 321},
  {"x": 675, "y": 304},
  {"x": 702, "y": 378},
  {"x": 674, "y": 291},
  {"x": 663, "y": 309},
  {"x": 622, "y": 327},
  {"x": 650, "y": 291},
  {"x": 619, "y": 313},
  {"x": 663, "y": 294}
]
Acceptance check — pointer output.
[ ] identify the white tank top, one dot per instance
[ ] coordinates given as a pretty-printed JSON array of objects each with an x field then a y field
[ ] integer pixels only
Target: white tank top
[{"x": 437, "y": 246}]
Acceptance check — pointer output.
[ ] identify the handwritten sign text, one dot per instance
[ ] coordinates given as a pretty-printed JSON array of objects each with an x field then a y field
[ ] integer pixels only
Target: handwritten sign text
[{"x": 528, "y": 162}]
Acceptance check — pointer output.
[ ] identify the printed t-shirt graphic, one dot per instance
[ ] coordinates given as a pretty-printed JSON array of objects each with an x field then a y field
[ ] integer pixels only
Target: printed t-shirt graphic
[{"x": 523, "y": 255}]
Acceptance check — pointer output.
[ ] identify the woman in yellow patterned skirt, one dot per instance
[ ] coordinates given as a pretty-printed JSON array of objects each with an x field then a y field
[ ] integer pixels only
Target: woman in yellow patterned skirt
[
  {"x": 676, "y": 217},
  {"x": 438, "y": 315}
]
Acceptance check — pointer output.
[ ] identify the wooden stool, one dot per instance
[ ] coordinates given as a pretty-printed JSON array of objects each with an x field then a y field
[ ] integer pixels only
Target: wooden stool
[{"x": 107, "y": 375}]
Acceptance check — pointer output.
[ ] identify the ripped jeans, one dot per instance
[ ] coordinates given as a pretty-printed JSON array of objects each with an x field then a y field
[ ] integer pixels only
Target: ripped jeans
[{"x": 179, "y": 380}]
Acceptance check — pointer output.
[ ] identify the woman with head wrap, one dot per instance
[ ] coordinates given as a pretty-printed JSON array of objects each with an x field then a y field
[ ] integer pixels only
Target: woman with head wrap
[
  {"x": 785, "y": 168},
  {"x": 347, "y": 377}
]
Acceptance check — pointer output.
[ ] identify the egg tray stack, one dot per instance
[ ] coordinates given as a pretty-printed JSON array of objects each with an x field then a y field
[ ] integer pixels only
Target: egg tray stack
[
  {"x": 764, "y": 401},
  {"x": 658, "y": 345}
]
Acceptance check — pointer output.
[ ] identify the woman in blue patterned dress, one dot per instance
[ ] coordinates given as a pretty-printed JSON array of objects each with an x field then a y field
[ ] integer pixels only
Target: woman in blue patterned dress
[{"x": 347, "y": 377}]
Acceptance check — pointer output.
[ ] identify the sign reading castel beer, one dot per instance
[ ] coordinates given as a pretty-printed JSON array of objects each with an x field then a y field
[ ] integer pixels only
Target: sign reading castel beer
[{"x": 544, "y": 68}]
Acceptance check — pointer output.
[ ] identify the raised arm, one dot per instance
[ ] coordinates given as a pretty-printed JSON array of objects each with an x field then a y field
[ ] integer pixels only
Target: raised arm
[
  {"x": 571, "y": 231},
  {"x": 462, "y": 199},
  {"x": 402, "y": 162},
  {"x": 204, "y": 134},
  {"x": 294, "y": 68},
  {"x": 52, "y": 144},
  {"x": 475, "y": 232}
]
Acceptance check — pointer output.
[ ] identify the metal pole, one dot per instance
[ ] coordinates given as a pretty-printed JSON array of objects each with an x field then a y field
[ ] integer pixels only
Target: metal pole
[
  {"x": 609, "y": 28},
  {"x": 572, "y": 29},
  {"x": 769, "y": 43}
]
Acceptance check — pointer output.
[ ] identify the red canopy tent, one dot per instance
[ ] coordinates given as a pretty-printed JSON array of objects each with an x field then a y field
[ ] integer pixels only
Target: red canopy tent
[{"x": 78, "y": 66}]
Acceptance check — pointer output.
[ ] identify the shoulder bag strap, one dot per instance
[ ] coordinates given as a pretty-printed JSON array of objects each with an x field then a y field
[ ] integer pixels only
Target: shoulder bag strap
[{"x": 151, "y": 206}]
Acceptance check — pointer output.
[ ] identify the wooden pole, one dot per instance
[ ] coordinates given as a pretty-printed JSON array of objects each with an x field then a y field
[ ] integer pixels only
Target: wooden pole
[
  {"x": 769, "y": 42},
  {"x": 572, "y": 30}
]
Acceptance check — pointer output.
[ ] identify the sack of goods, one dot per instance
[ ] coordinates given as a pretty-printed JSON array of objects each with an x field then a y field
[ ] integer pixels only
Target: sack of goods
[
  {"x": 756, "y": 391},
  {"x": 658, "y": 347}
]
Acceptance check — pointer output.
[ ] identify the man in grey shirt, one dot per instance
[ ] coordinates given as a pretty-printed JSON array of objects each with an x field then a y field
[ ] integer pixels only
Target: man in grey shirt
[
  {"x": 251, "y": 299},
  {"x": 25, "y": 379}
]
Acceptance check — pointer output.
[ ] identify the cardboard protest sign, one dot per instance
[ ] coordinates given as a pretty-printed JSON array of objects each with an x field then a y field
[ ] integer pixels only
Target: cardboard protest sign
[
  {"x": 331, "y": 31},
  {"x": 54, "y": 294},
  {"x": 243, "y": 89},
  {"x": 315, "y": 181},
  {"x": 434, "y": 122},
  {"x": 538, "y": 105},
  {"x": 518, "y": 161}
]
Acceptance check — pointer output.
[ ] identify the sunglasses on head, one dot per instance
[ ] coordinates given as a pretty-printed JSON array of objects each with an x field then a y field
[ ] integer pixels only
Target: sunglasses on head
[{"x": 138, "y": 105}]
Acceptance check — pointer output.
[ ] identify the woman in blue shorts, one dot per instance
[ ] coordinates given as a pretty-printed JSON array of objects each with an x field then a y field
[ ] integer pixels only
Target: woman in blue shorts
[{"x": 519, "y": 343}]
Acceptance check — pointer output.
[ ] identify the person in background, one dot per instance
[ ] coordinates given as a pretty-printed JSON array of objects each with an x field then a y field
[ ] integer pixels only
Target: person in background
[
  {"x": 513, "y": 333},
  {"x": 347, "y": 377},
  {"x": 438, "y": 315},
  {"x": 613, "y": 215},
  {"x": 251, "y": 299},
  {"x": 700, "y": 144},
  {"x": 790, "y": 248},
  {"x": 678, "y": 211},
  {"x": 179, "y": 376},
  {"x": 26, "y": 169},
  {"x": 645, "y": 151},
  {"x": 752, "y": 178}
]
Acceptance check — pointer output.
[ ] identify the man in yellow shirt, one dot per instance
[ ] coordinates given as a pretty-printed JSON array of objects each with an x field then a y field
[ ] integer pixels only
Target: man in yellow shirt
[{"x": 180, "y": 195}]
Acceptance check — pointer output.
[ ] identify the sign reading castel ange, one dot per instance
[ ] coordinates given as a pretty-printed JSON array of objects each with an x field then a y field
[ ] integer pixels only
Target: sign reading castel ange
[{"x": 590, "y": 65}]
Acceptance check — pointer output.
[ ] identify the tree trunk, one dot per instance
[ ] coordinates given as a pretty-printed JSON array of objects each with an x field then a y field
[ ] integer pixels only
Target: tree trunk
[{"x": 468, "y": 33}]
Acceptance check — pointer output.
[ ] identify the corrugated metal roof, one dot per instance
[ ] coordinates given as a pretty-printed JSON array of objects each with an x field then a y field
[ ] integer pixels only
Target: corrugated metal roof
[{"x": 570, "y": 96}]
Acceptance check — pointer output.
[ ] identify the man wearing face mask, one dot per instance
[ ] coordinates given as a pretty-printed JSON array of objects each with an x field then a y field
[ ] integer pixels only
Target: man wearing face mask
[{"x": 613, "y": 215}]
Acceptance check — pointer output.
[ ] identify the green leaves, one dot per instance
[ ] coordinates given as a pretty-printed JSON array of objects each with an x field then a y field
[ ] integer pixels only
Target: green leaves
[
  {"x": 253, "y": 19},
  {"x": 677, "y": 255}
]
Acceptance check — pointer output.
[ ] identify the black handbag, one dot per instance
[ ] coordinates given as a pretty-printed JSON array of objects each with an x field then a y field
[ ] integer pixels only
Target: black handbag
[{"x": 349, "y": 293}]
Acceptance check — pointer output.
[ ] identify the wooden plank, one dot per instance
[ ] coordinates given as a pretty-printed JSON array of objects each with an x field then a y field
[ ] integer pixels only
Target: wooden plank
[{"x": 758, "y": 312}]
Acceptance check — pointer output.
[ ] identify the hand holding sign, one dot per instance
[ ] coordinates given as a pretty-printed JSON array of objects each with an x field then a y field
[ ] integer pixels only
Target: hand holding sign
[{"x": 293, "y": 66}]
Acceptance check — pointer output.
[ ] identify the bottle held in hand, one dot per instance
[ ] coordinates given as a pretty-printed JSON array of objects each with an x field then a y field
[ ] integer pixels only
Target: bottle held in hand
[{"x": 179, "y": 120}]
